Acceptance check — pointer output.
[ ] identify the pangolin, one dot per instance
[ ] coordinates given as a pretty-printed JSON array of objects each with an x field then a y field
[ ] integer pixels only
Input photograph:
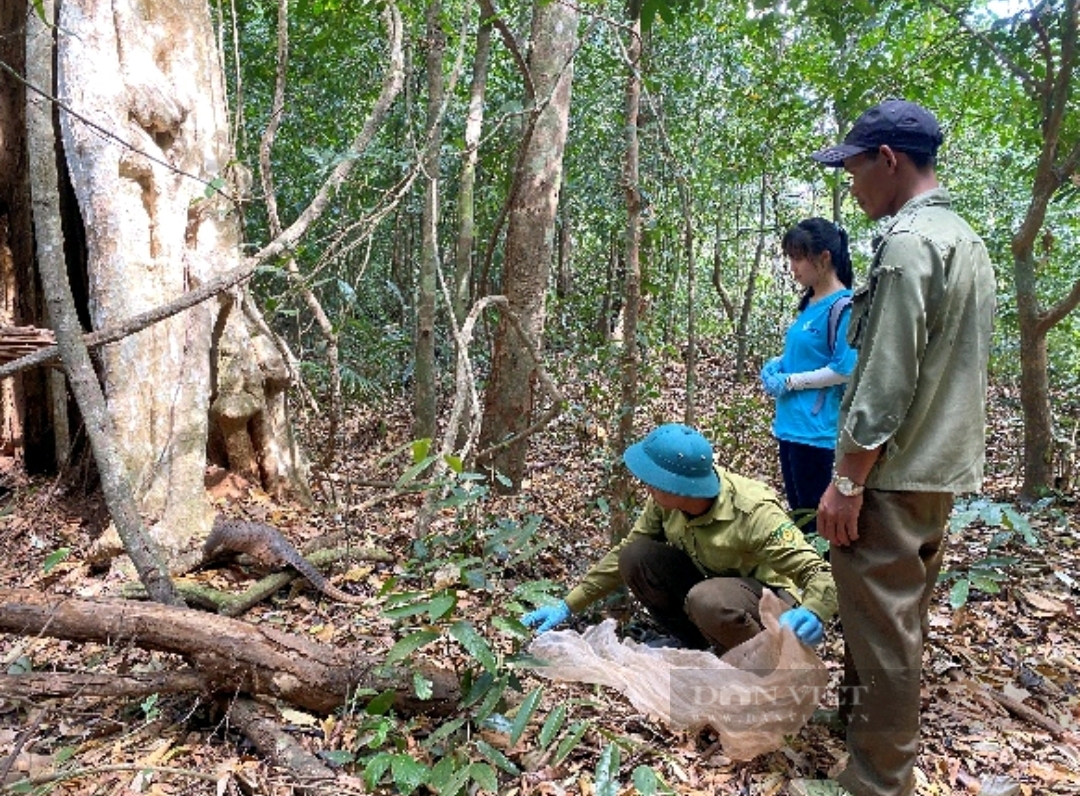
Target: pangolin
[{"x": 269, "y": 549}]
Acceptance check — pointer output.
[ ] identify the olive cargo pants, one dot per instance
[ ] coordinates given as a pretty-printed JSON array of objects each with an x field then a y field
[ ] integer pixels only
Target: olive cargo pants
[{"x": 885, "y": 581}]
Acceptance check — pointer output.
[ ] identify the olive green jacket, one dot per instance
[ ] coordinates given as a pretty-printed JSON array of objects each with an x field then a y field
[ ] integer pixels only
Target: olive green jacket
[
  {"x": 746, "y": 533},
  {"x": 922, "y": 328}
]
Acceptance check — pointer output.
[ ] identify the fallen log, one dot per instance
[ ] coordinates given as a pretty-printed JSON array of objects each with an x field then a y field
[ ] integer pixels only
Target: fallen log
[{"x": 232, "y": 656}]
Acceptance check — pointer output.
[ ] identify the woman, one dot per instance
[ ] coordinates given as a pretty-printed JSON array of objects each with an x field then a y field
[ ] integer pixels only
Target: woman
[{"x": 807, "y": 379}]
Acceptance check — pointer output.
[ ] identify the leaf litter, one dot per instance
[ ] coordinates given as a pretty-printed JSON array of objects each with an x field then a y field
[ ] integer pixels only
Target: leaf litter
[{"x": 1001, "y": 706}]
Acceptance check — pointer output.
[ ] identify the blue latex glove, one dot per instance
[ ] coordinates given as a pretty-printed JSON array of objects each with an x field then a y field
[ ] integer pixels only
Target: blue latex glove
[
  {"x": 547, "y": 617},
  {"x": 773, "y": 379},
  {"x": 775, "y": 383},
  {"x": 804, "y": 623}
]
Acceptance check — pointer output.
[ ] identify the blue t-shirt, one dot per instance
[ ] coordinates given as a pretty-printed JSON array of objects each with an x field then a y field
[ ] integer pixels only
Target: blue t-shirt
[{"x": 808, "y": 416}]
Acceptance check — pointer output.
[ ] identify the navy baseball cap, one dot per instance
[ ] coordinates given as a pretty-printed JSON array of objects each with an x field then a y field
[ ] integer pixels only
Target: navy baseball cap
[{"x": 904, "y": 126}]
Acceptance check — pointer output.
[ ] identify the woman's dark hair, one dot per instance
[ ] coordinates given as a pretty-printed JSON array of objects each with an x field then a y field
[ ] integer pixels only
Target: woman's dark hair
[{"x": 811, "y": 237}]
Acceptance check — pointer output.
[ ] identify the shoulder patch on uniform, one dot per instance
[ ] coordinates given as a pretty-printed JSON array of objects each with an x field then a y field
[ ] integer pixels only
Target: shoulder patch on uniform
[{"x": 788, "y": 534}]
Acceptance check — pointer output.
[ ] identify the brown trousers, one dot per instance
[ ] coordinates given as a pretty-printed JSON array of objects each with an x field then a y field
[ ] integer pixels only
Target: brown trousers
[
  {"x": 702, "y": 612},
  {"x": 885, "y": 581}
]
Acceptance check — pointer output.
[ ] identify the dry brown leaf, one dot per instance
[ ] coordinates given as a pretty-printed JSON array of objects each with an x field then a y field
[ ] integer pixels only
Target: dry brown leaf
[{"x": 1044, "y": 604}]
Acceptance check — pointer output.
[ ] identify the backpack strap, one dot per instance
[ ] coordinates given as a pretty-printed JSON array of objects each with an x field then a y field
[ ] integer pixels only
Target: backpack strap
[{"x": 836, "y": 311}]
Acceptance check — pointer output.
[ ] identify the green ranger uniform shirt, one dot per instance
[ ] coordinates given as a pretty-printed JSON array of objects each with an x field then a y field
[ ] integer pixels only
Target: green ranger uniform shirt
[
  {"x": 746, "y": 533},
  {"x": 922, "y": 328}
]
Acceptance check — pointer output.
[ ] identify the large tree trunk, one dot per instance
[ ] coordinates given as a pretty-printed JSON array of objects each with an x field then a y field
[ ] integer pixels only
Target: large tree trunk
[
  {"x": 530, "y": 239},
  {"x": 49, "y": 237},
  {"x": 230, "y": 656},
  {"x": 149, "y": 74},
  {"x": 28, "y": 399}
]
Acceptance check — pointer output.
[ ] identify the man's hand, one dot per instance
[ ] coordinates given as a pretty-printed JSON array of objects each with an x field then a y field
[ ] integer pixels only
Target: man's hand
[
  {"x": 547, "y": 617},
  {"x": 838, "y": 517},
  {"x": 804, "y": 623}
]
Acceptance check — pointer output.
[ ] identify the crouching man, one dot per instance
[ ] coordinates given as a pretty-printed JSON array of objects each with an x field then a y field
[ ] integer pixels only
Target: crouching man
[{"x": 706, "y": 544}]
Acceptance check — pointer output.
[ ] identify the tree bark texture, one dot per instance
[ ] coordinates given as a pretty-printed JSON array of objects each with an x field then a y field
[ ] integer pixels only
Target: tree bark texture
[
  {"x": 25, "y": 427},
  {"x": 148, "y": 74},
  {"x": 530, "y": 237},
  {"x": 263, "y": 729},
  {"x": 231, "y": 656},
  {"x": 631, "y": 359},
  {"x": 466, "y": 206},
  {"x": 1034, "y": 384},
  {"x": 1058, "y": 160},
  {"x": 44, "y": 180},
  {"x": 425, "y": 377},
  {"x": 146, "y": 134}
]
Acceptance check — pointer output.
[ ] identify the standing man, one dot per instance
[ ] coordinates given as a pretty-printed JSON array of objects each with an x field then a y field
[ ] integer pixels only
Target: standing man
[{"x": 911, "y": 433}]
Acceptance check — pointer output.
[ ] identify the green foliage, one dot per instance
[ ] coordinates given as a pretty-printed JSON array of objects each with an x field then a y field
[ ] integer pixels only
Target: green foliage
[
  {"x": 665, "y": 9},
  {"x": 21, "y": 665},
  {"x": 607, "y": 769},
  {"x": 989, "y": 571},
  {"x": 54, "y": 558},
  {"x": 150, "y": 708},
  {"x": 453, "y": 758}
]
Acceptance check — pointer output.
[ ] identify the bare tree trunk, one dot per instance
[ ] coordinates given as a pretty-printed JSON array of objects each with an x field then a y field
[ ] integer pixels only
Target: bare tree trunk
[
  {"x": 425, "y": 375},
  {"x": 466, "y": 206},
  {"x": 242, "y": 454},
  {"x": 564, "y": 275},
  {"x": 691, "y": 301},
  {"x": 508, "y": 400},
  {"x": 686, "y": 204},
  {"x": 718, "y": 272},
  {"x": 1058, "y": 161},
  {"x": 151, "y": 233},
  {"x": 628, "y": 372},
  {"x": 462, "y": 288},
  {"x": 742, "y": 331},
  {"x": 44, "y": 179},
  {"x": 32, "y": 404},
  {"x": 1034, "y": 383}
]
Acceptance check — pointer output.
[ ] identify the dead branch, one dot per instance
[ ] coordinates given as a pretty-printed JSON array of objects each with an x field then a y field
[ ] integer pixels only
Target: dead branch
[
  {"x": 44, "y": 685},
  {"x": 1018, "y": 709},
  {"x": 232, "y": 656},
  {"x": 277, "y": 746},
  {"x": 24, "y": 736},
  {"x": 94, "y": 773}
]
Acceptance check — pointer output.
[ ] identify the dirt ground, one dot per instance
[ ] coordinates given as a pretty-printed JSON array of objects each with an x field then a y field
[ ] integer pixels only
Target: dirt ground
[{"x": 1001, "y": 705}]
